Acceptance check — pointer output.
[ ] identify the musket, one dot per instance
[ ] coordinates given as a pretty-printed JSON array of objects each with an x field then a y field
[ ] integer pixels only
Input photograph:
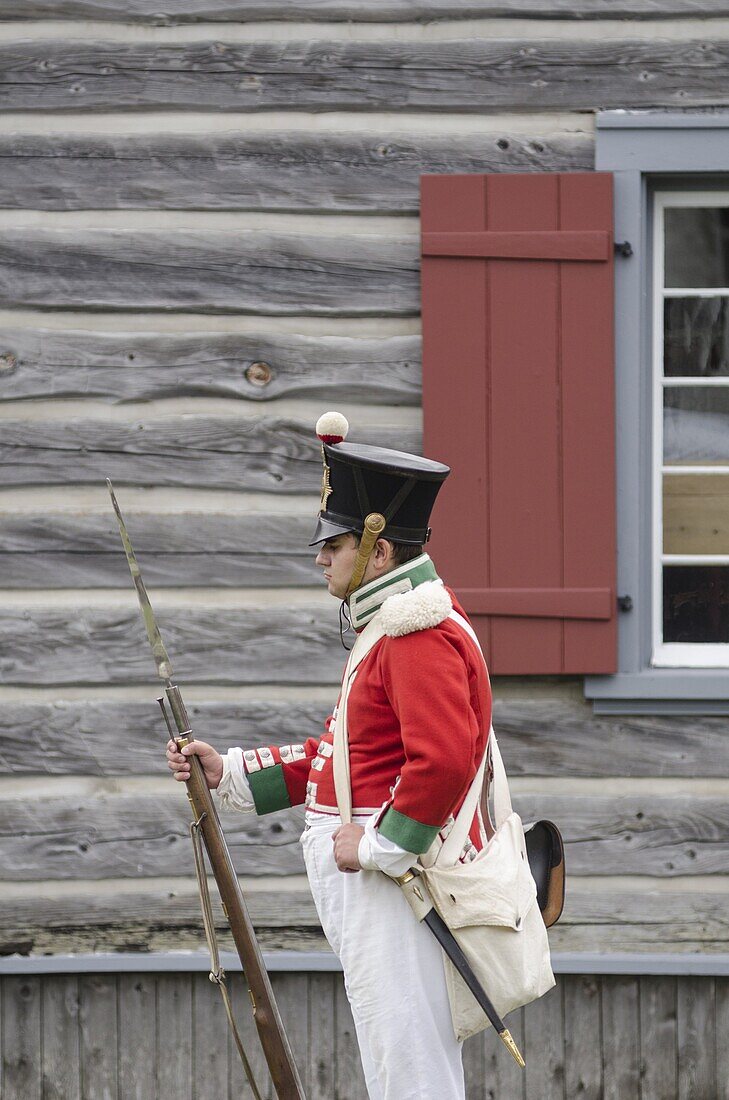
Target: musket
[{"x": 275, "y": 1044}]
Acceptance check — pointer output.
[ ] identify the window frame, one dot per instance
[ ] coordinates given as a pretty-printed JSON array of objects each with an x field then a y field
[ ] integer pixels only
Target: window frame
[
  {"x": 676, "y": 655},
  {"x": 648, "y": 152}
]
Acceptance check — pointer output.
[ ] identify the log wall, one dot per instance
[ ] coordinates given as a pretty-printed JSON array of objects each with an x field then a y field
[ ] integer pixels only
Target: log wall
[{"x": 208, "y": 235}]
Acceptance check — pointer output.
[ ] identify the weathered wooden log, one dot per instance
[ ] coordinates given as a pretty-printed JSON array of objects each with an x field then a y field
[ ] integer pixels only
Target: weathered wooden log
[
  {"x": 549, "y": 737},
  {"x": 278, "y": 171},
  {"x": 227, "y": 452},
  {"x": 450, "y": 75},
  {"x": 153, "y": 915},
  {"x": 134, "y": 836},
  {"x": 198, "y": 550},
  {"x": 222, "y": 11},
  {"x": 253, "y": 646},
  {"x": 60, "y": 837},
  {"x": 261, "y": 367},
  {"x": 72, "y": 738},
  {"x": 210, "y": 272}
]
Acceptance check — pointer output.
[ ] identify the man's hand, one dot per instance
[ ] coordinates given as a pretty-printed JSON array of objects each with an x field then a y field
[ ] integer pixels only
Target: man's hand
[
  {"x": 346, "y": 845},
  {"x": 179, "y": 764}
]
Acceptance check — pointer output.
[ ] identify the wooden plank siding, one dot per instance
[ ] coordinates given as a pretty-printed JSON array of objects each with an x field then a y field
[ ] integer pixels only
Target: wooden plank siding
[
  {"x": 147, "y": 1009},
  {"x": 322, "y": 75}
]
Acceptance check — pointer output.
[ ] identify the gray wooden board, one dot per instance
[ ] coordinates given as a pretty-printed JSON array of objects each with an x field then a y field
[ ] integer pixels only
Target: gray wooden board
[
  {"x": 223, "y": 11},
  {"x": 137, "y": 1026},
  {"x": 61, "y": 838},
  {"x": 722, "y": 1030},
  {"x": 209, "y": 271},
  {"x": 174, "y": 1037},
  {"x": 582, "y": 1057},
  {"x": 210, "y": 1056},
  {"x": 98, "y": 1020},
  {"x": 620, "y": 1038},
  {"x": 544, "y": 1041},
  {"x": 547, "y": 737},
  {"x": 658, "y": 1033},
  {"x": 505, "y": 1080},
  {"x": 473, "y": 1067},
  {"x": 139, "y": 366},
  {"x": 98, "y": 738},
  {"x": 149, "y": 916},
  {"x": 77, "y": 837},
  {"x": 349, "y": 1075},
  {"x": 274, "y": 171},
  {"x": 305, "y": 74},
  {"x": 292, "y": 994},
  {"x": 697, "y": 1038},
  {"x": 295, "y": 645},
  {"x": 262, "y": 454},
  {"x": 321, "y": 1049},
  {"x": 83, "y": 551},
  {"x": 61, "y": 1059},
  {"x": 21, "y": 1038}
]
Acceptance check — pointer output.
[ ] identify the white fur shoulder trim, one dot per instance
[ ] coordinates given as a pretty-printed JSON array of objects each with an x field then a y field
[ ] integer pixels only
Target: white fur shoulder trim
[{"x": 425, "y": 606}]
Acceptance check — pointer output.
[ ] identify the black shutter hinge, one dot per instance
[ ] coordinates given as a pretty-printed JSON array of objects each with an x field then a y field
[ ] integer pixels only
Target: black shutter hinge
[
  {"x": 623, "y": 248},
  {"x": 625, "y": 603}
]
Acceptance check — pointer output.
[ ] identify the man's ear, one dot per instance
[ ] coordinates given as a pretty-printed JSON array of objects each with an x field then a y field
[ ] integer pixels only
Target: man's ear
[{"x": 382, "y": 554}]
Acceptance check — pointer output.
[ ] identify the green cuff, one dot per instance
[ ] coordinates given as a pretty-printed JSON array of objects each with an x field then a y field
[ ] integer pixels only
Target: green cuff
[
  {"x": 410, "y": 834},
  {"x": 269, "y": 789}
]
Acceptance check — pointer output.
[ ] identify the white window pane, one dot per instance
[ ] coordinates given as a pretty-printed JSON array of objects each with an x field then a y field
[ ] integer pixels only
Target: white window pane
[
  {"x": 696, "y": 603},
  {"x": 696, "y": 337},
  {"x": 696, "y": 425}
]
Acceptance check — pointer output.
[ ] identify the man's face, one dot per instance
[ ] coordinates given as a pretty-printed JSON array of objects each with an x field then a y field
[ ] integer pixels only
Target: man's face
[{"x": 336, "y": 557}]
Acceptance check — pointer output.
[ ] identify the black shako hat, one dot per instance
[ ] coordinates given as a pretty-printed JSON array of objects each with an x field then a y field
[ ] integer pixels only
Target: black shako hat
[{"x": 359, "y": 480}]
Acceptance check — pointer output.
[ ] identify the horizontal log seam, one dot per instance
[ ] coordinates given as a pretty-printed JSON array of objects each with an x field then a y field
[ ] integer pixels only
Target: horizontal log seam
[{"x": 152, "y": 12}]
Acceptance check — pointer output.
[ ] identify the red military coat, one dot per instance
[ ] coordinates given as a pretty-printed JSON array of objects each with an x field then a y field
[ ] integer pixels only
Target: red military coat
[{"x": 418, "y": 716}]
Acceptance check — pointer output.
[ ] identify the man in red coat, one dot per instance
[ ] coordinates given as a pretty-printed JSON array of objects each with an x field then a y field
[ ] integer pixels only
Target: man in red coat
[{"x": 418, "y": 711}]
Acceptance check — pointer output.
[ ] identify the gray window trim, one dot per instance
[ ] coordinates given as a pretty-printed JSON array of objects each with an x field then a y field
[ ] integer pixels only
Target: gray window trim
[{"x": 644, "y": 150}]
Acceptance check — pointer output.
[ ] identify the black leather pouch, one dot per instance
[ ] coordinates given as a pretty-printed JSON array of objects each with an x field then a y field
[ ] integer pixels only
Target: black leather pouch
[{"x": 545, "y": 852}]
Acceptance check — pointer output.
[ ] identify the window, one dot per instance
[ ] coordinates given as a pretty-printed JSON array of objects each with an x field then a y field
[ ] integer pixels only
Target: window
[
  {"x": 671, "y": 177},
  {"x": 691, "y": 429}
]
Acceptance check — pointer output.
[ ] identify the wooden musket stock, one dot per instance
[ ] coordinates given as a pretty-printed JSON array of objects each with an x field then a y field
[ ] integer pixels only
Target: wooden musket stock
[{"x": 271, "y": 1032}]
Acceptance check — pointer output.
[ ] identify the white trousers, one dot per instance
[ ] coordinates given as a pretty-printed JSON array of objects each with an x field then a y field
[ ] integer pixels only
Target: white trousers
[{"x": 393, "y": 974}]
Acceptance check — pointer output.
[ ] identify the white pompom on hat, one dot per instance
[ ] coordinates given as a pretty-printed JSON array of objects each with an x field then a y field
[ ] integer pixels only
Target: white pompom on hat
[{"x": 332, "y": 427}]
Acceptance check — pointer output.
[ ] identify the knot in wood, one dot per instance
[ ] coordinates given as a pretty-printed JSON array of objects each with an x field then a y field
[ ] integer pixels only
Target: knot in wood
[{"x": 259, "y": 374}]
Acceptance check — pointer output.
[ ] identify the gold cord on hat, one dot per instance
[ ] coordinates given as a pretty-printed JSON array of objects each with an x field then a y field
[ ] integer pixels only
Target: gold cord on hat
[{"x": 374, "y": 525}]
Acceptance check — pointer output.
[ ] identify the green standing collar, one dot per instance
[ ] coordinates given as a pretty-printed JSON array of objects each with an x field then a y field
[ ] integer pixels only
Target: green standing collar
[{"x": 369, "y": 598}]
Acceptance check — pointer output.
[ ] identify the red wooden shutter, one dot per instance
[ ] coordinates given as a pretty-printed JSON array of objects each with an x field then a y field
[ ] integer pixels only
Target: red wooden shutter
[{"x": 518, "y": 397}]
